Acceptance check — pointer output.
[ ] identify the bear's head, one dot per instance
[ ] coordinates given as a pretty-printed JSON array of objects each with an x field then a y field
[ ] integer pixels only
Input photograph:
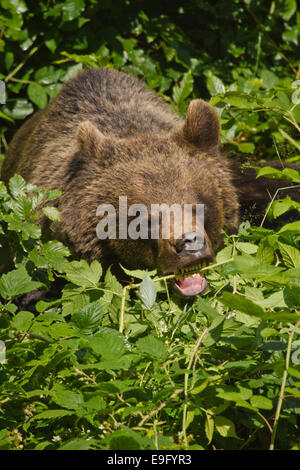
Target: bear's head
[{"x": 141, "y": 183}]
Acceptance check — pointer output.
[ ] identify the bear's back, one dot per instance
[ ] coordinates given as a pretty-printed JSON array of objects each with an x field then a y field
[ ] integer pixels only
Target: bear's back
[{"x": 117, "y": 103}]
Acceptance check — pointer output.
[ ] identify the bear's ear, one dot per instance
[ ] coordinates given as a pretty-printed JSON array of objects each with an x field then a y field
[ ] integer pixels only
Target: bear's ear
[
  {"x": 202, "y": 125},
  {"x": 89, "y": 138}
]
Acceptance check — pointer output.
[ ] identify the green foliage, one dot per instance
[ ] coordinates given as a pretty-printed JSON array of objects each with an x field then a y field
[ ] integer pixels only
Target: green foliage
[
  {"x": 90, "y": 366},
  {"x": 202, "y": 375},
  {"x": 242, "y": 55}
]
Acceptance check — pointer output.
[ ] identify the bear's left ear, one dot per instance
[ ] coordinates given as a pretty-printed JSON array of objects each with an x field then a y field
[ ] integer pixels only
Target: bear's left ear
[
  {"x": 202, "y": 125},
  {"x": 89, "y": 138}
]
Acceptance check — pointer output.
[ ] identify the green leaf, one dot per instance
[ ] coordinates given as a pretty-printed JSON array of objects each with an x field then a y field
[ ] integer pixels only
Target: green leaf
[
  {"x": 258, "y": 401},
  {"x": 184, "y": 89},
  {"x": 269, "y": 79},
  {"x": 248, "y": 248},
  {"x": 214, "y": 331},
  {"x": 280, "y": 207},
  {"x": 16, "y": 186},
  {"x": 215, "y": 84},
  {"x": 128, "y": 439},
  {"x": 240, "y": 100},
  {"x": 138, "y": 273},
  {"x": 225, "y": 427},
  {"x": 265, "y": 253},
  {"x": 30, "y": 230},
  {"x": 109, "y": 344},
  {"x": 245, "y": 305},
  {"x": 87, "y": 318},
  {"x": 82, "y": 274},
  {"x": 291, "y": 296},
  {"x": 66, "y": 398},
  {"x": 4, "y": 116},
  {"x": 9, "y": 60},
  {"x": 286, "y": 8},
  {"x": 251, "y": 267},
  {"x": 22, "y": 321},
  {"x": 72, "y": 9},
  {"x": 52, "y": 414},
  {"x": 209, "y": 426},
  {"x": 236, "y": 397},
  {"x": 37, "y": 95},
  {"x": 290, "y": 255},
  {"x": 77, "y": 444},
  {"x": 205, "y": 307},
  {"x": 147, "y": 292},
  {"x": 292, "y": 226},
  {"x": 246, "y": 147},
  {"x": 52, "y": 213},
  {"x": 16, "y": 283},
  {"x": 153, "y": 346}
]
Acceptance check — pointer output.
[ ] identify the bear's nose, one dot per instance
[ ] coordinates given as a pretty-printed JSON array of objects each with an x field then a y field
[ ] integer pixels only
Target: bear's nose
[{"x": 191, "y": 242}]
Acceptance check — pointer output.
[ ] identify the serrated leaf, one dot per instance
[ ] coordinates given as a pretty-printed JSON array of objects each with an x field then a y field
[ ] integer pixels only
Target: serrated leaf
[
  {"x": 87, "y": 318},
  {"x": 109, "y": 344},
  {"x": 240, "y": 100},
  {"x": 16, "y": 283},
  {"x": 290, "y": 255},
  {"x": 16, "y": 185},
  {"x": 291, "y": 296},
  {"x": 52, "y": 213},
  {"x": 215, "y": 84},
  {"x": 184, "y": 89},
  {"x": 147, "y": 292},
  {"x": 153, "y": 346},
  {"x": 82, "y": 274},
  {"x": 265, "y": 253},
  {"x": 251, "y": 267},
  {"x": 138, "y": 273},
  {"x": 22, "y": 321},
  {"x": 293, "y": 226}
]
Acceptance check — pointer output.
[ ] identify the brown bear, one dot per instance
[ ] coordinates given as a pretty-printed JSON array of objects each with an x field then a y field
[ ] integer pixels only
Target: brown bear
[{"x": 104, "y": 136}]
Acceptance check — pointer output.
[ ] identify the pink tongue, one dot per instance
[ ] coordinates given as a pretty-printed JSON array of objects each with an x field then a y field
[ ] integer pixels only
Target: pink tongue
[{"x": 192, "y": 285}]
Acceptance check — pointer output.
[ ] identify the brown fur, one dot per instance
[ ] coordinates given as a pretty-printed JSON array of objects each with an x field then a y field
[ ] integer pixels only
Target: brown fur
[{"x": 106, "y": 135}]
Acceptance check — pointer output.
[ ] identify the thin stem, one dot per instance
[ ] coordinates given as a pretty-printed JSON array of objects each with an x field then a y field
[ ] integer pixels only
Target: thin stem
[
  {"x": 267, "y": 35},
  {"x": 16, "y": 69},
  {"x": 163, "y": 278},
  {"x": 122, "y": 310},
  {"x": 274, "y": 197},
  {"x": 283, "y": 383},
  {"x": 186, "y": 378}
]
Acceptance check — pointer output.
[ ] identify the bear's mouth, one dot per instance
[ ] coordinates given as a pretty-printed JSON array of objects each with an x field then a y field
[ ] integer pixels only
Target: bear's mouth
[{"x": 190, "y": 280}]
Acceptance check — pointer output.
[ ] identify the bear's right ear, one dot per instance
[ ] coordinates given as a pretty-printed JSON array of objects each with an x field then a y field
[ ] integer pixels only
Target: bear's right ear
[
  {"x": 89, "y": 138},
  {"x": 202, "y": 125}
]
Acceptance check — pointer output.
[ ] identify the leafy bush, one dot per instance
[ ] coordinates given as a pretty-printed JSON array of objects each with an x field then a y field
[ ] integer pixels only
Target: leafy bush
[
  {"x": 96, "y": 368},
  {"x": 94, "y": 364}
]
